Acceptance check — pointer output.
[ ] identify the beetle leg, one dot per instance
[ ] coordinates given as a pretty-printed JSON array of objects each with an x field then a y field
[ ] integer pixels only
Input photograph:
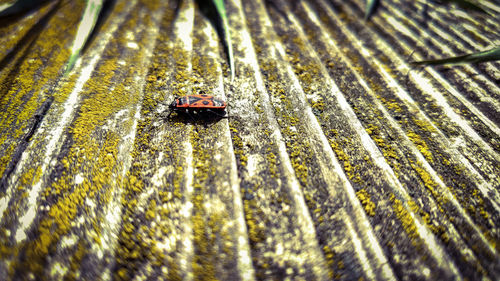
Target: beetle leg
[{"x": 191, "y": 116}]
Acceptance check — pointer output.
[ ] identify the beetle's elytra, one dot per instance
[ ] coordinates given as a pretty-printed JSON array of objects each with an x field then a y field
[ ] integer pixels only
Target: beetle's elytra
[{"x": 198, "y": 103}]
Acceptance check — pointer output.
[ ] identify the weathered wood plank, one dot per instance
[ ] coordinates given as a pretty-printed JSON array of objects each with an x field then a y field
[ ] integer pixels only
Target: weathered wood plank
[{"x": 337, "y": 159}]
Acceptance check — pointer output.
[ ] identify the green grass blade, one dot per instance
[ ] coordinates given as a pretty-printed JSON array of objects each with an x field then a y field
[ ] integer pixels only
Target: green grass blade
[
  {"x": 468, "y": 5},
  {"x": 221, "y": 10},
  {"x": 19, "y": 6},
  {"x": 85, "y": 28},
  {"x": 371, "y": 5},
  {"x": 485, "y": 56}
]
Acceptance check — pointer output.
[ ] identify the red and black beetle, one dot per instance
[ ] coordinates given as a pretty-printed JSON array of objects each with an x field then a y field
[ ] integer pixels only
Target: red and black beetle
[{"x": 198, "y": 103}]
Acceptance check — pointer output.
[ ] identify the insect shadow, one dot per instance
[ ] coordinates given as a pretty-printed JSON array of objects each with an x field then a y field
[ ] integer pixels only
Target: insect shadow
[{"x": 202, "y": 117}]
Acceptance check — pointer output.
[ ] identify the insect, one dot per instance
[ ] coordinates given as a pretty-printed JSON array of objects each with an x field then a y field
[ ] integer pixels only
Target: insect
[{"x": 197, "y": 104}]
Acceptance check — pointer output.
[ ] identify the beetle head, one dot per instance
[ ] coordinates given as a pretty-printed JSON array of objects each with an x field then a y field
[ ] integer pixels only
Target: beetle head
[{"x": 173, "y": 104}]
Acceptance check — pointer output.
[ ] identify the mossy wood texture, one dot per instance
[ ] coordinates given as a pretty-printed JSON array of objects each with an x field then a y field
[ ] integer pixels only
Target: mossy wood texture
[{"x": 339, "y": 161}]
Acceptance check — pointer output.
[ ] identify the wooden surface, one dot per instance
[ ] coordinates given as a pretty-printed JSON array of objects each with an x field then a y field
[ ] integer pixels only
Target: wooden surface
[{"x": 338, "y": 160}]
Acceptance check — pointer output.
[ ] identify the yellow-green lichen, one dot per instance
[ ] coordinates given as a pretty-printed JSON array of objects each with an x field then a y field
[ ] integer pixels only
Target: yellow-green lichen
[
  {"x": 238, "y": 143},
  {"x": 406, "y": 219},
  {"x": 387, "y": 150},
  {"x": 272, "y": 162},
  {"x": 330, "y": 260},
  {"x": 392, "y": 104},
  {"x": 24, "y": 83},
  {"x": 92, "y": 154},
  {"x": 439, "y": 230},
  {"x": 368, "y": 205},
  {"x": 421, "y": 145},
  {"x": 207, "y": 228},
  {"x": 430, "y": 184}
]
